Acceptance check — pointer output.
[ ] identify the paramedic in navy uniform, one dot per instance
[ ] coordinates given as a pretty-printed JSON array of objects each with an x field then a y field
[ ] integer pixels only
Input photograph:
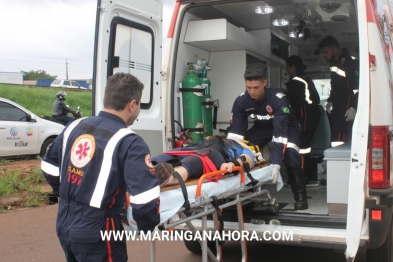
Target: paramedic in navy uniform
[
  {"x": 304, "y": 99},
  {"x": 272, "y": 122},
  {"x": 91, "y": 165},
  {"x": 344, "y": 81}
]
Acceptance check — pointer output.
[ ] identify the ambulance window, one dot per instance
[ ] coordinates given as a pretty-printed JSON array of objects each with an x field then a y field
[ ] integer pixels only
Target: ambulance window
[{"x": 132, "y": 51}]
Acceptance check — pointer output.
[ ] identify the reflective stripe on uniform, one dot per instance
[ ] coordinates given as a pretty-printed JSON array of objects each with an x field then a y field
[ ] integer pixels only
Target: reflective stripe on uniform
[
  {"x": 305, "y": 151},
  {"x": 146, "y": 196},
  {"x": 259, "y": 117},
  {"x": 50, "y": 169},
  {"x": 293, "y": 145},
  {"x": 99, "y": 190},
  {"x": 337, "y": 70},
  {"x": 306, "y": 90},
  {"x": 234, "y": 136},
  {"x": 66, "y": 134},
  {"x": 336, "y": 143},
  {"x": 280, "y": 139},
  {"x": 280, "y": 95}
]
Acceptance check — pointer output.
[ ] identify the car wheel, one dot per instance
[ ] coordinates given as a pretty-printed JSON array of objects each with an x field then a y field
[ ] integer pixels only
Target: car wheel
[{"x": 45, "y": 146}]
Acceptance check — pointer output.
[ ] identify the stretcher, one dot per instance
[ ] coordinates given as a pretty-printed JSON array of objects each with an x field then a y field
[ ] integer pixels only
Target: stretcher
[{"x": 203, "y": 196}]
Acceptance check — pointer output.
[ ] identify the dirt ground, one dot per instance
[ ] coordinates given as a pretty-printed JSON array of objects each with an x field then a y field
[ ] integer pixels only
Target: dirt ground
[{"x": 22, "y": 165}]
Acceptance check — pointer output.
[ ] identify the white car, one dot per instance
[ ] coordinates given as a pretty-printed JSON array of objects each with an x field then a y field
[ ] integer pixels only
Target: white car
[
  {"x": 66, "y": 84},
  {"x": 23, "y": 133}
]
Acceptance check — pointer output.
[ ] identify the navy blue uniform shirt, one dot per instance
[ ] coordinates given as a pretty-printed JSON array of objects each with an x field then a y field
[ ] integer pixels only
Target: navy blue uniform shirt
[
  {"x": 95, "y": 160},
  {"x": 271, "y": 114}
]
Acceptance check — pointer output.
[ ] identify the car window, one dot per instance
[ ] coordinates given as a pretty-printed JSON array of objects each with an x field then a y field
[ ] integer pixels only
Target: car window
[
  {"x": 75, "y": 84},
  {"x": 9, "y": 112},
  {"x": 56, "y": 82},
  {"x": 67, "y": 83}
]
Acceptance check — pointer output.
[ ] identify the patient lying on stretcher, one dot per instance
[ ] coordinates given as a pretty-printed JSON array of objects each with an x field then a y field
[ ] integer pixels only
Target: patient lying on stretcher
[{"x": 178, "y": 165}]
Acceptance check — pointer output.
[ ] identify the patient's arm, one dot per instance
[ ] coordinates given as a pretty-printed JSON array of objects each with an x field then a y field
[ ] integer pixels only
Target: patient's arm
[{"x": 230, "y": 165}]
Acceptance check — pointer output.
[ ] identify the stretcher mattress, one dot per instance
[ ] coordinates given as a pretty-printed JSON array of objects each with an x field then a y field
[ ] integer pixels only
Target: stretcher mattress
[{"x": 171, "y": 201}]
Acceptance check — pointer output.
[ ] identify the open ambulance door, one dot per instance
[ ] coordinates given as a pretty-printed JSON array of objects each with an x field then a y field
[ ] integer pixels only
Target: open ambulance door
[{"x": 128, "y": 39}]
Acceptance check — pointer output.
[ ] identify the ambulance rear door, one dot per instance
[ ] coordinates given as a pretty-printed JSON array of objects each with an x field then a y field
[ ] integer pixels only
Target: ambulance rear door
[{"x": 128, "y": 39}]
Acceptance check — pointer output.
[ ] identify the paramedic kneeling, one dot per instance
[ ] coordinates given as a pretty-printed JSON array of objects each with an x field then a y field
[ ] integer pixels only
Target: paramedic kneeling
[
  {"x": 272, "y": 122},
  {"x": 91, "y": 165}
]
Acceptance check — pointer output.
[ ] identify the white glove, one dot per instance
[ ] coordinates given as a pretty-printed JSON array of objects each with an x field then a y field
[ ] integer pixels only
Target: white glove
[
  {"x": 258, "y": 156},
  {"x": 275, "y": 173},
  {"x": 329, "y": 107},
  {"x": 239, "y": 139},
  {"x": 350, "y": 114}
]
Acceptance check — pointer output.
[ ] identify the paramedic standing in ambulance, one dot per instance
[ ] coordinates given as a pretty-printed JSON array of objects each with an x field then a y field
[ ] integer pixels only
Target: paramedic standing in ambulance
[
  {"x": 304, "y": 99},
  {"x": 272, "y": 122},
  {"x": 91, "y": 165},
  {"x": 344, "y": 81}
]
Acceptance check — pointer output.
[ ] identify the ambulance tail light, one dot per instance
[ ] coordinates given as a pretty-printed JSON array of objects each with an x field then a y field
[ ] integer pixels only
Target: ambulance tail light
[{"x": 379, "y": 158}]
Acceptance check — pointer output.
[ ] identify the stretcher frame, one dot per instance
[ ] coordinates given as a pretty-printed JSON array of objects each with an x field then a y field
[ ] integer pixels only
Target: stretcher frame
[{"x": 203, "y": 207}]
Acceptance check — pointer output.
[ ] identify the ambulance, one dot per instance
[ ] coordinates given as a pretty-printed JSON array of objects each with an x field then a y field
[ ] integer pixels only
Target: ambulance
[{"x": 190, "y": 88}]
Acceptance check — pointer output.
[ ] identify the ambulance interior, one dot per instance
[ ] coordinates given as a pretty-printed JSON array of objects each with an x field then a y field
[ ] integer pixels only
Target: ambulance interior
[{"x": 231, "y": 36}]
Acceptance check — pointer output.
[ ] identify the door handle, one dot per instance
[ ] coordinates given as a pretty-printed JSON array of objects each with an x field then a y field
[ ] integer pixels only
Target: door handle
[{"x": 2, "y": 127}]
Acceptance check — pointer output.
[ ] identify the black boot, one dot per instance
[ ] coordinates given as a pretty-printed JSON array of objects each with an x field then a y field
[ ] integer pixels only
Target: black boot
[{"x": 298, "y": 188}]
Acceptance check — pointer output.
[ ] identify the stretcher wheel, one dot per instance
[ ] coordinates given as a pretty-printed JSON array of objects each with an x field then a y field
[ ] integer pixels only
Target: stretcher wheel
[
  {"x": 195, "y": 247},
  {"x": 273, "y": 208}
]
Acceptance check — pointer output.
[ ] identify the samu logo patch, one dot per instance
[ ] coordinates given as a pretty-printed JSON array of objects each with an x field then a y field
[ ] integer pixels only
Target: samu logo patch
[
  {"x": 285, "y": 110},
  {"x": 83, "y": 150}
]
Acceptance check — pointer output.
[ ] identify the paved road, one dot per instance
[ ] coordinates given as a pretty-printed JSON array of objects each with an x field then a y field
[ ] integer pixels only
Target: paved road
[{"x": 29, "y": 235}]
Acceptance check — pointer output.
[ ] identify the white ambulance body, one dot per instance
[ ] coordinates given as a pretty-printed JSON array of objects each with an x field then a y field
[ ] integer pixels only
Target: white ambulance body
[{"x": 353, "y": 213}]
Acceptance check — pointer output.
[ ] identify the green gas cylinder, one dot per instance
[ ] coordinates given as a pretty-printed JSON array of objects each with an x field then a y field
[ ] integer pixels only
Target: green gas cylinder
[
  {"x": 192, "y": 105},
  {"x": 207, "y": 107}
]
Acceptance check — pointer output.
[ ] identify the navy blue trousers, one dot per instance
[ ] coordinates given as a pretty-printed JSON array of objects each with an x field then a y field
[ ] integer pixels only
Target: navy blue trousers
[{"x": 80, "y": 236}]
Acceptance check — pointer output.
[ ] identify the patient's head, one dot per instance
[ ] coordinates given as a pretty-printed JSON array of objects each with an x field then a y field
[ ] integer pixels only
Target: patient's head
[{"x": 163, "y": 172}]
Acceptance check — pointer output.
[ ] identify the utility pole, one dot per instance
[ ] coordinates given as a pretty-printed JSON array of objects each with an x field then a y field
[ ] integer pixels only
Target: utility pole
[{"x": 66, "y": 70}]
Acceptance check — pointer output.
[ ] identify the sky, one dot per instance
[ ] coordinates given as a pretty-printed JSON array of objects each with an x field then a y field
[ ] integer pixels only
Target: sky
[{"x": 45, "y": 34}]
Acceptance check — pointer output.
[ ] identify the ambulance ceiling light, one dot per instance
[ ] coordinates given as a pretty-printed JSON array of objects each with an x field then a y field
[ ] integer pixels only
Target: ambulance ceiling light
[
  {"x": 280, "y": 22},
  {"x": 330, "y": 7},
  {"x": 264, "y": 9},
  {"x": 293, "y": 34}
]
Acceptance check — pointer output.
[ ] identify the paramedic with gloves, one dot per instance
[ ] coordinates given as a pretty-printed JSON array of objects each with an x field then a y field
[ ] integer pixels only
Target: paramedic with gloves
[
  {"x": 91, "y": 165},
  {"x": 274, "y": 122},
  {"x": 344, "y": 82}
]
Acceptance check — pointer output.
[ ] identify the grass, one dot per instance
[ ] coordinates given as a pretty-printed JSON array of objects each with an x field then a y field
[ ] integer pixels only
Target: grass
[
  {"x": 39, "y": 100},
  {"x": 25, "y": 185}
]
